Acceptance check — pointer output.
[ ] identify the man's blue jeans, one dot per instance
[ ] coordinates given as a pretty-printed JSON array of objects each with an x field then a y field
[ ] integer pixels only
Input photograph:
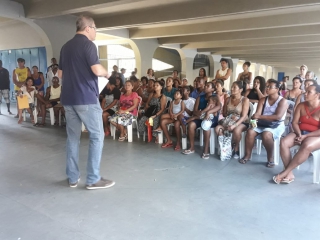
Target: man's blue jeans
[{"x": 91, "y": 116}]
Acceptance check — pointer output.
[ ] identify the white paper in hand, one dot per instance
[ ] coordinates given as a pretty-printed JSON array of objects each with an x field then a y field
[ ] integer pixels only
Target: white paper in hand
[{"x": 102, "y": 82}]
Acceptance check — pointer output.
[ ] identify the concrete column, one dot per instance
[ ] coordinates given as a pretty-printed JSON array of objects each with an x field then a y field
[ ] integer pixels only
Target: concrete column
[
  {"x": 187, "y": 59},
  {"x": 103, "y": 56},
  {"x": 253, "y": 69},
  {"x": 214, "y": 64},
  {"x": 269, "y": 72},
  {"x": 257, "y": 70},
  {"x": 234, "y": 70},
  {"x": 144, "y": 50},
  {"x": 59, "y": 30}
]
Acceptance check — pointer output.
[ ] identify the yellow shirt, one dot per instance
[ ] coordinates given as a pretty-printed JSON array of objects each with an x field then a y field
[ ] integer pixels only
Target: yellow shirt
[{"x": 22, "y": 75}]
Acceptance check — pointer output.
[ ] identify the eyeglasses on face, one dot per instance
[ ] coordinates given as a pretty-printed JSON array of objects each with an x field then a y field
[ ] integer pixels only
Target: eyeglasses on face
[{"x": 93, "y": 28}]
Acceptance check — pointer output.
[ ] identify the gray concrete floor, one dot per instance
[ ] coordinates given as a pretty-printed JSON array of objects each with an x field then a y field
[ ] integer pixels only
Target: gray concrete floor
[{"x": 159, "y": 193}]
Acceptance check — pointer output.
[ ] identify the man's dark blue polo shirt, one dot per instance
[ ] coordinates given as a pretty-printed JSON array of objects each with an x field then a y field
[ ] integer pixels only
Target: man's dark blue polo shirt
[{"x": 80, "y": 84}]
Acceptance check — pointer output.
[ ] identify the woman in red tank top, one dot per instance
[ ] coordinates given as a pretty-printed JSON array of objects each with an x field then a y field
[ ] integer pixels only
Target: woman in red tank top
[{"x": 306, "y": 126}]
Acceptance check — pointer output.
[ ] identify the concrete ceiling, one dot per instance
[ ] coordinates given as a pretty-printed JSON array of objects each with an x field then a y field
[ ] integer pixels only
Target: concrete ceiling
[{"x": 278, "y": 33}]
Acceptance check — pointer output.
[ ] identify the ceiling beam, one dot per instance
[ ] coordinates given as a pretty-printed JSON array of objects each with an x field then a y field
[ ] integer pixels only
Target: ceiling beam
[
  {"x": 218, "y": 51},
  {"x": 302, "y": 40},
  {"x": 234, "y": 25},
  {"x": 250, "y": 34},
  {"x": 42, "y": 9},
  {"x": 276, "y": 51},
  {"x": 191, "y": 9}
]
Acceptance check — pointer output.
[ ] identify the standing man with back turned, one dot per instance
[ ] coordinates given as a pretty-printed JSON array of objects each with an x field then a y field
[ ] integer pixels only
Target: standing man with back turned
[
  {"x": 4, "y": 87},
  {"x": 79, "y": 68}
]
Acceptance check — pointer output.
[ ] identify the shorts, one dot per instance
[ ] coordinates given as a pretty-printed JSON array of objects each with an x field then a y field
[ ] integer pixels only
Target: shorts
[
  {"x": 276, "y": 132},
  {"x": 31, "y": 106},
  {"x": 111, "y": 112},
  {"x": 5, "y": 93},
  {"x": 304, "y": 132},
  {"x": 54, "y": 104},
  {"x": 199, "y": 121}
]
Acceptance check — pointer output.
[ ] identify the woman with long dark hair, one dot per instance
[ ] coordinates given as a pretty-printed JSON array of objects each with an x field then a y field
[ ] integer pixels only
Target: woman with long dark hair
[
  {"x": 203, "y": 74},
  {"x": 156, "y": 104},
  {"x": 258, "y": 91}
]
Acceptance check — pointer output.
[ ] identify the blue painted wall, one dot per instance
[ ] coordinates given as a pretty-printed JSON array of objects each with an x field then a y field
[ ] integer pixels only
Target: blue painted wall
[
  {"x": 33, "y": 57},
  {"x": 280, "y": 76}
]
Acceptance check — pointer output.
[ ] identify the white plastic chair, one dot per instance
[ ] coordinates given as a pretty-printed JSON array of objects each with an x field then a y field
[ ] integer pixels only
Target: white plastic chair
[
  {"x": 160, "y": 134},
  {"x": 35, "y": 112},
  {"x": 51, "y": 112},
  {"x": 316, "y": 163}
]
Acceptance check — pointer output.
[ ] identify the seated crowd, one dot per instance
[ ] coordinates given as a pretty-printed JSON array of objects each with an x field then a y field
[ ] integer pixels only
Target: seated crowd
[{"x": 156, "y": 105}]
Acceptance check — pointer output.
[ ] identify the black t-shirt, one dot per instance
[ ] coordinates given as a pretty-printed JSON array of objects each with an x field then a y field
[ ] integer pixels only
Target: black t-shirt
[
  {"x": 110, "y": 96},
  {"x": 80, "y": 84},
  {"x": 4, "y": 79},
  {"x": 116, "y": 93}
]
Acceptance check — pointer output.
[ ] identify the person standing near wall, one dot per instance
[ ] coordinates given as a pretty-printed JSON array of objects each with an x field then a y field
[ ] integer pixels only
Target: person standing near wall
[
  {"x": 19, "y": 77},
  {"x": 224, "y": 73},
  {"x": 53, "y": 63},
  {"x": 4, "y": 87},
  {"x": 79, "y": 68}
]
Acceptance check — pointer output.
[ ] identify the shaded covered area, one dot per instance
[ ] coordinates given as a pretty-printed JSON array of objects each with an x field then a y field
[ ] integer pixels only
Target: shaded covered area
[{"x": 160, "y": 194}]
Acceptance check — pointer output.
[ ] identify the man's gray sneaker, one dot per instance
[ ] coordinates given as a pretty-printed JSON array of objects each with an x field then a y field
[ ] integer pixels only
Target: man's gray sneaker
[
  {"x": 74, "y": 184},
  {"x": 102, "y": 183}
]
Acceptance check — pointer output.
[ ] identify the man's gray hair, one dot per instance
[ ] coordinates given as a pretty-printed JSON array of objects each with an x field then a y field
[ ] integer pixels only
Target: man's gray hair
[{"x": 84, "y": 21}]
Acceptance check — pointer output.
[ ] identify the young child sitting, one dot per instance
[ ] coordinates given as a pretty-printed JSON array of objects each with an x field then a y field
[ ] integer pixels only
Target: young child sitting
[
  {"x": 188, "y": 111},
  {"x": 176, "y": 108}
]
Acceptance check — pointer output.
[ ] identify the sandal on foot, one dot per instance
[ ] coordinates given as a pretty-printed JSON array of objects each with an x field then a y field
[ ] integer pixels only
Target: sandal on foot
[
  {"x": 205, "y": 156},
  {"x": 243, "y": 161},
  {"x": 287, "y": 180},
  {"x": 36, "y": 124},
  {"x": 188, "y": 151},
  {"x": 166, "y": 145},
  {"x": 177, "y": 148},
  {"x": 270, "y": 164},
  {"x": 157, "y": 131},
  {"x": 276, "y": 180},
  {"x": 107, "y": 133},
  {"x": 121, "y": 139}
]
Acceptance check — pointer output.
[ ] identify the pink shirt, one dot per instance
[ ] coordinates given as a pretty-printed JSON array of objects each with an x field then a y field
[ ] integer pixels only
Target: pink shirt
[{"x": 126, "y": 102}]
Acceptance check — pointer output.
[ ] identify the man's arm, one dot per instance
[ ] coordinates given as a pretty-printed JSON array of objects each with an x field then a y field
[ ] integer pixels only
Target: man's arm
[
  {"x": 29, "y": 72},
  {"x": 227, "y": 75},
  {"x": 47, "y": 96},
  {"x": 14, "y": 78},
  {"x": 99, "y": 70}
]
